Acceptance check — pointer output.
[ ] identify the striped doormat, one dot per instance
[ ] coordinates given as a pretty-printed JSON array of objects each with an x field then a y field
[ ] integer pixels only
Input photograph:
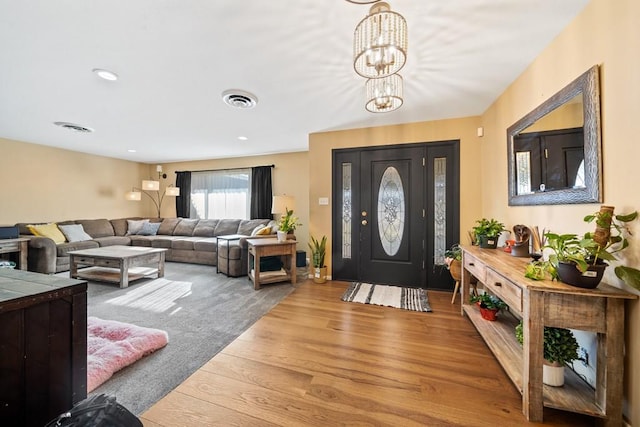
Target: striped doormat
[{"x": 390, "y": 296}]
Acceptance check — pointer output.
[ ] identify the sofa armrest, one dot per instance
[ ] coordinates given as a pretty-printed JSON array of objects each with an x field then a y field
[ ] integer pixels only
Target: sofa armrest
[{"x": 42, "y": 255}]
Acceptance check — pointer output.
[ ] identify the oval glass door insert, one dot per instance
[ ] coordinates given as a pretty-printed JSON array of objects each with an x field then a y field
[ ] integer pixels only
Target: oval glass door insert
[{"x": 391, "y": 211}]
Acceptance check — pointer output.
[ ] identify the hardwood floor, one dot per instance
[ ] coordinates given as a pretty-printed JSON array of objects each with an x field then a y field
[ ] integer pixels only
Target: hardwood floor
[{"x": 317, "y": 361}]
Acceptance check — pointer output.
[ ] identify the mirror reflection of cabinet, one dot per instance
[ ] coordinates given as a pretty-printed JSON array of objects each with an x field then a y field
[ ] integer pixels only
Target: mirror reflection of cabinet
[{"x": 554, "y": 152}]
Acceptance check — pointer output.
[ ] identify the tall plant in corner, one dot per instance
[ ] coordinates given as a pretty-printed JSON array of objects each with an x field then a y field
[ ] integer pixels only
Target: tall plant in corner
[{"x": 318, "y": 251}]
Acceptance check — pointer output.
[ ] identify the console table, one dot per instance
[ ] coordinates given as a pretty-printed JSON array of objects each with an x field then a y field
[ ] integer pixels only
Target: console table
[
  {"x": 547, "y": 303},
  {"x": 43, "y": 346}
]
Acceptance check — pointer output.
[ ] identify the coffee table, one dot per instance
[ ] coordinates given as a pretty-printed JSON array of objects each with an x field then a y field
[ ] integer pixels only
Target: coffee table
[{"x": 112, "y": 263}]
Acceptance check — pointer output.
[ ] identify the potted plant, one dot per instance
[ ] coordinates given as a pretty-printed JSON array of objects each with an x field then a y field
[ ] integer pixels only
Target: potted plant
[
  {"x": 489, "y": 304},
  {"x": 581, "y": 261},
  {"x": 318, "y": 251},
  {"x": 487, "y": 232},
  {"x": 560, "y": 348},
  {"x": 287, "y": 225},
  {"x": 453, "y": 261}
]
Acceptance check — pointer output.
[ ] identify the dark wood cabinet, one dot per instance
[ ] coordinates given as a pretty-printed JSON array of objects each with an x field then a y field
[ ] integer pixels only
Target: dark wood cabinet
[{"x": 43, "y": 346}]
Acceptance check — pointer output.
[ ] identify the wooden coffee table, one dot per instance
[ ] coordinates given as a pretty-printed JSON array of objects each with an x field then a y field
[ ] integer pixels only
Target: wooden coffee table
[{"x": 112, "y": 263}]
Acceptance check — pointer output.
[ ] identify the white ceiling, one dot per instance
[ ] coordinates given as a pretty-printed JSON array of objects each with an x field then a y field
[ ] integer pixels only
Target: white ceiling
[{"x": 175, "y": 58}]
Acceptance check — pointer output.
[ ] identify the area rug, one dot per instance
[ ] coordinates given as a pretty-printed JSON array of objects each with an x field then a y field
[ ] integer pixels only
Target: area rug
[
  {"x": 113, "y": 345},
  {"x": 391, "y": 296}
]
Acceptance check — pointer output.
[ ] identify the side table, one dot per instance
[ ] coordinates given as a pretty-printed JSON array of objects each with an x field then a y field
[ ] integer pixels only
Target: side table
[
  {"x": 19, "y": 245},
  {"x": 271, "y": 247},
  {"x": 226, "y": 238}
]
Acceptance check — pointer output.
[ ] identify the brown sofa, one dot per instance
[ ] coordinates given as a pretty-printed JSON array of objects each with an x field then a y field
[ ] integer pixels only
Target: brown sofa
[{"x": 187, "y": 240}]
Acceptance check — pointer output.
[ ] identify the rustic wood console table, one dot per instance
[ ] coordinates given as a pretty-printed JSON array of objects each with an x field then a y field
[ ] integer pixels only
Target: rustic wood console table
[{"x": 547, "y": 303}]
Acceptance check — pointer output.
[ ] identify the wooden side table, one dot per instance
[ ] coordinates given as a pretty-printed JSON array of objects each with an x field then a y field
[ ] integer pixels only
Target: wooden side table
[
  {"x": 19, "y": 245},
  {"x": 271, "y": 247}
]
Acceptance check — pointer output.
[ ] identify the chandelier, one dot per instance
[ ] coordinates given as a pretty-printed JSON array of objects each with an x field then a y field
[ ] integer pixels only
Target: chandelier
[
  {"x": 384, "y": 94},
  {"x": 380, "y": 42}
]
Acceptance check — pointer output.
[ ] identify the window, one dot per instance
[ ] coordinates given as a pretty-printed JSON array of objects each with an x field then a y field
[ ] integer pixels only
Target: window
[{"x": 221, "y": 194}]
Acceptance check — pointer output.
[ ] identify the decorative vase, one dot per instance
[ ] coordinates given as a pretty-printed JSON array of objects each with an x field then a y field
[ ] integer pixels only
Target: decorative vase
[
  {"x": 553, "y": 374},
  {"x": 486, "y": 242},
  {"x": 489, "y": 313},
  {"x": 568, "y": 273},
  {"x": 281, "y": 235},
  {"x": 319, "y": 274},
  {"x": 455, "y": 268}
]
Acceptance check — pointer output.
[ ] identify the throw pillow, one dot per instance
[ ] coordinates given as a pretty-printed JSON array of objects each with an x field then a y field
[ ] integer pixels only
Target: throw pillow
[
  {"x": 264, "y": 230},
  {"x": 149, "y": 229},
  {"x": 50, "y": 230},
  {"x": 134, "y": 226},
  {"x": 74, "y": 233}
]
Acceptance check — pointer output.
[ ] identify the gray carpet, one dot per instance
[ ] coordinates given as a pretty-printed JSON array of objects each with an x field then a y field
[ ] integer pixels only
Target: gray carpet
[{"x": 202, "y": 312}]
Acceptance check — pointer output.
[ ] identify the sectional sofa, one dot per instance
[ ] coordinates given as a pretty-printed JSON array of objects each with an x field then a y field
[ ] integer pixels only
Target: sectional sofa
[{"x": 186, "y": 240}]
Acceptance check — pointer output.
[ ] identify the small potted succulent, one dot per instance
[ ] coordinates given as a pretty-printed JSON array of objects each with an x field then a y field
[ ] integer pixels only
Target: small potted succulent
[
  {"x": 489, "y": 304},
  {"x": 560, "y": 348},
  {"x": 487, "y": 232}
]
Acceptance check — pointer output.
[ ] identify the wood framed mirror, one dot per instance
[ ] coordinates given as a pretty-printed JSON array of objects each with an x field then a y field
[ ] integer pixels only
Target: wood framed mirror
[{"x": 555, "y": 150}]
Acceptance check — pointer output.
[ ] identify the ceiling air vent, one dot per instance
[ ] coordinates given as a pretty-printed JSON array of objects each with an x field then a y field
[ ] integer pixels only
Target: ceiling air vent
[
  {"x": 239, "y": 99},
  {"x": 74, "y": 127}
]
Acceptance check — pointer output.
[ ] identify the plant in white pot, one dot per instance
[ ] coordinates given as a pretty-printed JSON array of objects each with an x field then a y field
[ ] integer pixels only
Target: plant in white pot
[
  {"x": 318, "y": 251},
  {"x": 560, "y": 348},
  {"x": 287, "y": 225}
]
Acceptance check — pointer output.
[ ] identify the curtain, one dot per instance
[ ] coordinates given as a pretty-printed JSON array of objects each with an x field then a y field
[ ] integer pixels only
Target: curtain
[
  {"x": 183, "y": 201},
  {"x": 261, "y": 192}
]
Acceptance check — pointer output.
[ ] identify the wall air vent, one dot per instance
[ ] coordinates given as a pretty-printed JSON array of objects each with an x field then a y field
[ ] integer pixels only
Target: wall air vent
[
  {"x": 239, "y": 99},
  {"x": 74, "y": 127}
]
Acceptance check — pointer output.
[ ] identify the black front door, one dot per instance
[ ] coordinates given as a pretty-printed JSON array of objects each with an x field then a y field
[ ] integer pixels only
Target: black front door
[{"x": 381, "y": 214}]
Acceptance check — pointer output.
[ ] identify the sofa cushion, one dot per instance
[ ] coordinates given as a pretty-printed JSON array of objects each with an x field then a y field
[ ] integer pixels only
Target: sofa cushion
[
  {"x": 185, "y": 227},
  {"x": 50, "y": 230},
  {"x": 74, "y": 232},
  {"x": 135, "y": 225},
  {"x": 168, "y": 225},
  {"x": 205, "y": 228},
  {"x": 113, "y": 240},
  {"x": 185, "y": 243},
  {"x": 207, "y": 244},
  {"x": 63, "y": 249},
  {"x": 149, "y": 229},
  {"x": 248, "y": 225},
  {"x": 145, "y": 241},
  {"x": 163, "y": 241},
  {"x": 227, "y": 226},
  {"x": 97, "y": 227}
]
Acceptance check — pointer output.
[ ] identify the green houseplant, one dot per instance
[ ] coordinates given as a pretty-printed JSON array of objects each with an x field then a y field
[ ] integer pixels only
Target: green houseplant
[
  {"x": 580, "y": 261},
  {"x": 487, "y": 232},
  {"x": 318, "y": 252},
  {"x": 560, "y": 347},
  {"x": 287, "y": 224},
  {"x": 489, "y": 304},
  {"x": 453, "y": 261}
]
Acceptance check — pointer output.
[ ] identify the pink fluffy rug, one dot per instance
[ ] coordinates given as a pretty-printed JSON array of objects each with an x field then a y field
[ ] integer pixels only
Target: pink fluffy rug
[{"x": 113, "y": 345}]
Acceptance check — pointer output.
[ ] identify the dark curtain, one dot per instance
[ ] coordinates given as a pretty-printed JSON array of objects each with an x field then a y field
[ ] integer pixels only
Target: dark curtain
[
  {"x": 183, "y": 201},
  {"x": 261, "y": 192}
]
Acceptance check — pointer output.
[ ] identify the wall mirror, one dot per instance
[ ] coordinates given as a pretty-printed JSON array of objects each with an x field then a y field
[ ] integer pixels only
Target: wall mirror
[{"x": 555, "y": 150}]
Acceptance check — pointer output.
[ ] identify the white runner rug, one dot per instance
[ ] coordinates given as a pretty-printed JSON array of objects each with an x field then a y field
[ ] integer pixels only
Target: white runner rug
[{"x": 391, "y": 296}]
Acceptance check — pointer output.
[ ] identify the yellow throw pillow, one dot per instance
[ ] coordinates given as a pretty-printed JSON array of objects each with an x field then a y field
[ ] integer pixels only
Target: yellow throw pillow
[
  {"x": 263, "y": 231},
  {"x": 48, "y": 230}
]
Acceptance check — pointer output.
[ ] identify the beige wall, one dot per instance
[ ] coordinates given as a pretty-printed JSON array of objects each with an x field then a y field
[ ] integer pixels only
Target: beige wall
[
  {"x": 322, "y": 144},
  {"x": 605, "y": 33},
  {"x": 41, "y": 183},
  {"x": 289, "y": 176}
]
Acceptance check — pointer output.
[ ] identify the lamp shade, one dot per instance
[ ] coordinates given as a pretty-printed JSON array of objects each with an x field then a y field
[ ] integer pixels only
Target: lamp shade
[
  {"x": 380, "y": 43},
  {"x": 280, "y": 204},
  {"x": 172, "y": 191},
  {"x": 151, "y": 185},
  {"x": 133, "y": 196}
]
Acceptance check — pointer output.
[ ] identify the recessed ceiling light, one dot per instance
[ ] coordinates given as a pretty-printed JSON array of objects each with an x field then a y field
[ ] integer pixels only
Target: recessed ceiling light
[
  {"x": 243, "y": 138},
  {"x": 74, "y": 127},
  {"x": 106, "y": 74},
  {"x": 132, "y": 151}
]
